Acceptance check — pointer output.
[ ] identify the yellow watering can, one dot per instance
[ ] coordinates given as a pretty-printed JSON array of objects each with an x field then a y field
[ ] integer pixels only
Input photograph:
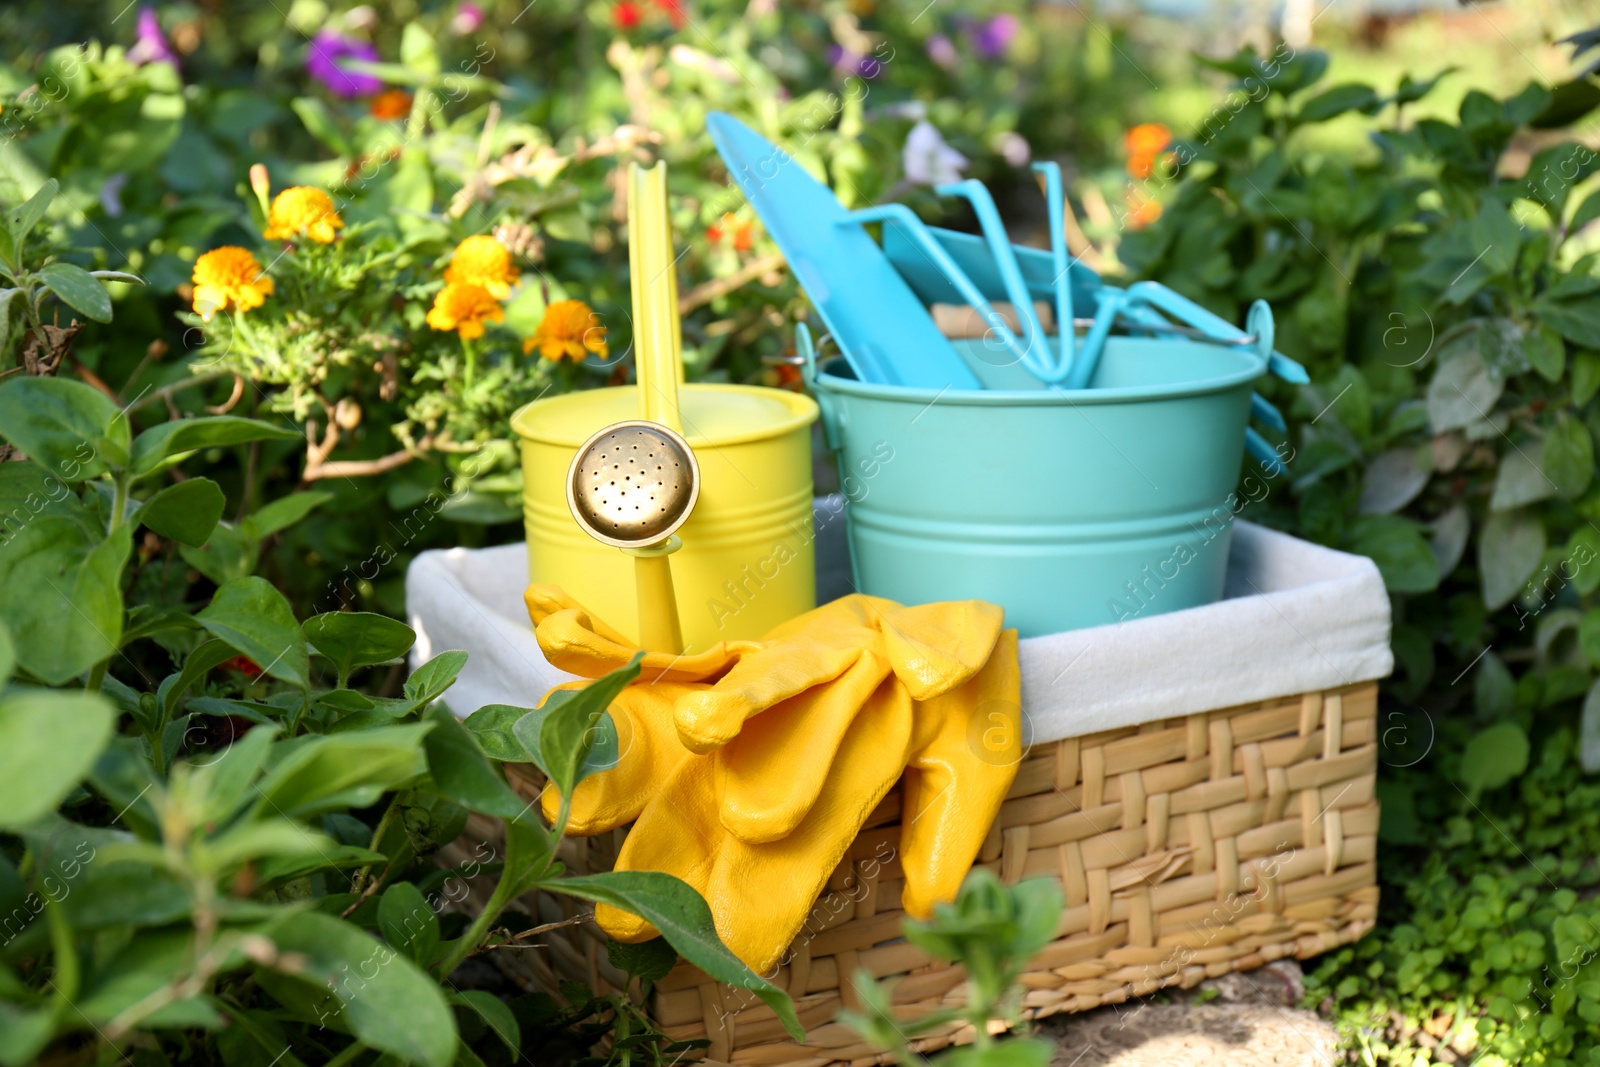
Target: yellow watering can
[{"x": 738, "y": 504}]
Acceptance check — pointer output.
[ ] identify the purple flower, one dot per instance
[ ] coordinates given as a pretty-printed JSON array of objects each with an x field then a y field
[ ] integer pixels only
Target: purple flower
[
  {"x": 322, "y": 62},
  {"x": 151, "y": 45},
  {"x": 942, "y": 52},
  {"x": 467, "y": 19},
  {"x": 993, "y": 38},
  {"x": 847, "y": 63}
]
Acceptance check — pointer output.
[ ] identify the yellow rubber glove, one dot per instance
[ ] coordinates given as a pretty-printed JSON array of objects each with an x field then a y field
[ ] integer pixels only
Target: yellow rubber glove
[
  {"x": 760, "y": 894},
  {"x": 964, "y": 757},
  {"x": 818, "y": 723},
  {"x": 648, "y": 753},
  {"x": 807, "y": 651}
]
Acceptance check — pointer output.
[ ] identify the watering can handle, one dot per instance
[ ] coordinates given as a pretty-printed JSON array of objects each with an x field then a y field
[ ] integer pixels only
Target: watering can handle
[{"x": 657, "y": 337}]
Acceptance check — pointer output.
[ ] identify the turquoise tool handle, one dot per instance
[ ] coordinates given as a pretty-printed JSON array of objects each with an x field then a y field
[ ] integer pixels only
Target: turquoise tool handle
[
  {"x": 1034, "y": 355},
  {"x": 1054, "y": 207},
  {"x": 914, "y": 228}
]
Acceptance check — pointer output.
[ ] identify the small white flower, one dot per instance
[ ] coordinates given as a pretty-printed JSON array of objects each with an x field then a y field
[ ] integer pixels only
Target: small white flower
[
  {"x": 928, "y": 160},
  {"x": 1014, "y": 149}
]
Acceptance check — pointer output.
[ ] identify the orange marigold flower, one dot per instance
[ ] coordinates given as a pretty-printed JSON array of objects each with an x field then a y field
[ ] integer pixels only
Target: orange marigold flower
[
  {"x": 741, "y": 231},
  {"x": 482, "y": 260},
  {"x": 1142, "y": 210},
  {"x": 464, "y": 308},
  {"x": 391, "y": 104},
  {"x": 302, "y": 210},
  {"x": 569, "y": 329},
  {"x": 1147, "y": 139},
  {"x": 228, "y": 277}
]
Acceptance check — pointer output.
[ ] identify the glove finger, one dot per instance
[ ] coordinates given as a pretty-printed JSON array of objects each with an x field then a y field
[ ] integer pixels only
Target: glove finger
[
  {"x": 936, "y": 647},
  {"x": 576, "y": 642},
  {"x": 648, "y": 752},
  {"x": 710, "y": 718},
  {"x": 677, "y": 833},
  {"x": 762, "y": 894},
  {"x": 769, "y": 776},
  {"x": 971, "y": 746}
]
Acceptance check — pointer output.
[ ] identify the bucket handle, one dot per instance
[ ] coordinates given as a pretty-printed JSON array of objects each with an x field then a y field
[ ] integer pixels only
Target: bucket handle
[{"x": 832, "y": 419}]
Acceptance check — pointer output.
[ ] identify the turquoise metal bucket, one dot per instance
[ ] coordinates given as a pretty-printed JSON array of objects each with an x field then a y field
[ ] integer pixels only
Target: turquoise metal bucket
[{"x": 1069, "y": 508}]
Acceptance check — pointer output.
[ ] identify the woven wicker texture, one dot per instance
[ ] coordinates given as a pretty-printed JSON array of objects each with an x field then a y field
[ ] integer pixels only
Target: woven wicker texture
[{"x": 1186, "y": 848}]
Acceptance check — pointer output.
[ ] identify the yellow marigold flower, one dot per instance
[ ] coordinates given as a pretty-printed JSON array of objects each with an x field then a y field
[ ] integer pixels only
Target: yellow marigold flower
[
  {"x": 228, "y": 277},
  {"x": 568, "y": 329},
  {"x": 464, "y": 308},
  {"x": 302, "y": 210},
  {"x": 482, "y": 260}
]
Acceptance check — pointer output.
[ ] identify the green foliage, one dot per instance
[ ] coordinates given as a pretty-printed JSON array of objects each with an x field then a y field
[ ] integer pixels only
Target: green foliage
[
  {"x": 1448, "y": 313},
  {"x": 992, "y": 931},
  {"x": 244, "y": 865}
]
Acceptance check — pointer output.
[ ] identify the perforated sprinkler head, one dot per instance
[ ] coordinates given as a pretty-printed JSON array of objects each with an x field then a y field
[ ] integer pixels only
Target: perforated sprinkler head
[{"x": 633, "y": 484}]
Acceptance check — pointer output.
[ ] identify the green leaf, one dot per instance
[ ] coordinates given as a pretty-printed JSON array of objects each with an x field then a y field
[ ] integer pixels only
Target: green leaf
[
  {"x": 78, "y": 289},
  {"x": 1397, "y": 546},
  {"x": 1585, "y": 377},
  {"x": 1546, "y": 352},
  {"x": 171, "y": 439},
  {"x": 1569, "y": 456},
  {"x": 24, "y": 1033},
  {"x": 1494, "y": 691},
  {"x": 1587, "y": 212},
  {"x": 1576, "y": 320},
  {"x": 62, "y": 596},
  {"x": 186, "y": 512},
  {"x": 1583, "y": 550},
  {"x": 429, "y": 681},
  {"x": 48, "y": 742},
  {"x": 253, "y": 617},
  {"x": 249, "y": 842},
  {"x": 1521, "y": 479},
  {"x": 22, "y": 219},
  {"x": 496, "y": 1013},
  {"x": 1493, "y": 757},
  {"x": 71, "y": 429},
  {"x": 674, "y": 908},
  {"x": 196, "y": 665},
  {"x": 583, "y": 740},
  {"x": 409, "y": 922},
  {"x": 648, "y": 961},
  {"x": 418, "y": 52},
  {"x": 493, "y": 725},
  {"x": 1463, "y": 391},
  {"x": 1509, "y": 550},
  {"x": 8, "y": 656},
  {"x": 1018, "y": 1052},
  {"x": 281, "y": 514},
  {"x": 319, "y": 123},
  {"x": 358, "y": 638},
  {"x": 1336, "y": 101},
  {"x": 226, "y": 555},
  {"x": 224, "y": 782},
  {"x": 462, "y": 773},
  {"x": 343, "y": 770},
  {"x": 382, "y": 997},
  {"x": 1589, "y": 731}
]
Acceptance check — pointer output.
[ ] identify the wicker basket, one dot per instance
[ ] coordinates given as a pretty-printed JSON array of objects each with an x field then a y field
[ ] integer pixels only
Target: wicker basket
[{"x": 1187, "y": 848}]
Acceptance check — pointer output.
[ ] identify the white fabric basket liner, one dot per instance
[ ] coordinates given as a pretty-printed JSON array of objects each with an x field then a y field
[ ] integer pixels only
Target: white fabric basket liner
[{"x": 1294, "y": 618}]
